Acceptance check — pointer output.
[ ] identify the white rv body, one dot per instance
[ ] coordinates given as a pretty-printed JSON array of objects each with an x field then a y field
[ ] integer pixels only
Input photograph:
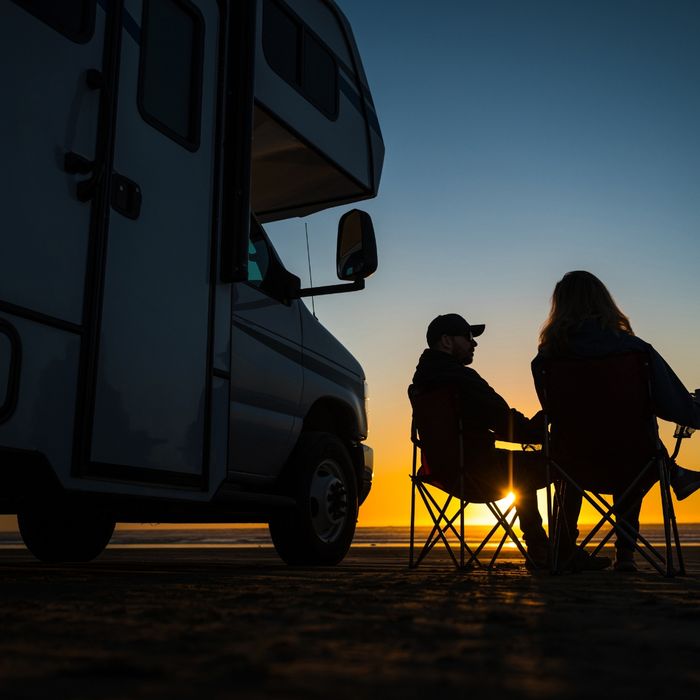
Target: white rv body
[{"x": 136, "y": 360}]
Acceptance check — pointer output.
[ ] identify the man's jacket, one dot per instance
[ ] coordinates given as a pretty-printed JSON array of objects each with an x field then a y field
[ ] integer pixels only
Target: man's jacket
[{"x": 486, "y": 415}]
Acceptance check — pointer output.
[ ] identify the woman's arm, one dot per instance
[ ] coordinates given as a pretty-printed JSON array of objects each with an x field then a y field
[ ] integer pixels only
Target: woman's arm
[{"x": 672, "y": 401}]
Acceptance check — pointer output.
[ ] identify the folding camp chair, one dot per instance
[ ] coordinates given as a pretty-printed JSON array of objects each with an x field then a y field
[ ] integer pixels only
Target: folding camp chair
[
  {"x": 603, "y": 439},
  {"x": 445, "y": 486}
]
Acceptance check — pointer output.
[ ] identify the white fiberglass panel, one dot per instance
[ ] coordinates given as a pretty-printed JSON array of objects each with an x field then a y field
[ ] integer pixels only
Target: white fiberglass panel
[
  {"x": 45, "y": 114},
  {"x": 43, "y": 418}
]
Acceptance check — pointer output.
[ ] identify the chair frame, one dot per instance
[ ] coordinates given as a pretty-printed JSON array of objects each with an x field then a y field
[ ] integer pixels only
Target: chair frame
[
  {"x": 558, "y": 477},
  {"x": 442, "y": 523}
]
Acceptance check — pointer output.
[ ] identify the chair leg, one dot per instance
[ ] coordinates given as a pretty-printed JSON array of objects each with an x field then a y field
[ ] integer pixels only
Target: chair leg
[
  {"x": 677, "y": 541},
  {"x": 413, "y": 522},
  {"x": 496, "y": 554},
  {"x": 449, "y": 522},
  {"x": 674, "y": 524},
  {"x": 442, "y": 523},
  {"x": 665, "y": 502},
  {"x": 509, "y": 530},
  {"x": 560, "y": 523},
  {"x": 438, "y": 531},
  {"x": 670, "y": 519}
]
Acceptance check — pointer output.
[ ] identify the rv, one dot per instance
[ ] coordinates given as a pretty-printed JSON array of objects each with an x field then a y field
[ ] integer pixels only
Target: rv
[{"x": 157, "y": 363}]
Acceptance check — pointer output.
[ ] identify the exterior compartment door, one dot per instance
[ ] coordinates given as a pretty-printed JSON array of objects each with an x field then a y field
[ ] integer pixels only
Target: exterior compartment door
[{"x": 48, "y": 110}]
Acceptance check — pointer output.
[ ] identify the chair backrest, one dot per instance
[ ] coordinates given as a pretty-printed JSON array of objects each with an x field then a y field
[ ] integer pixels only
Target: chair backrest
[
  {"x": 603, "y": 429},
  {"x": 438, "y": 426},
  {"x": 447, "y": 449}
]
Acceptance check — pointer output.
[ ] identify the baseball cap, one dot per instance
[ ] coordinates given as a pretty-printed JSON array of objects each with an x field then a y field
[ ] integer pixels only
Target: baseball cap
[{"x": 451, "y": 324}]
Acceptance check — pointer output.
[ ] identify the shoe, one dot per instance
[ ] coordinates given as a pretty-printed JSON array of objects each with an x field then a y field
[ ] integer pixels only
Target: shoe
[
  {"x": 624, "y": 561},
  {"x": 684, "y": 482},
  {"x": 583, "y": 561},
  {"x": 539, "y": 553}
]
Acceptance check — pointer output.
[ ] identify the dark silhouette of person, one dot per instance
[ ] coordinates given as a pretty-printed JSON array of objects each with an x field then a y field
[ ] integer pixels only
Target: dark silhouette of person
[{"x": 584, "y": 321}]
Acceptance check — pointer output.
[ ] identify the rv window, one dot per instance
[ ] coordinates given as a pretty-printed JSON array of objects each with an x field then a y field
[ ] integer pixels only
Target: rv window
[
  {"x": 320, "y": 76},
  {"x": 282, "y": 42},
  {"x": 300, "y": 58},
  {"x": 170, "y": 72},
  {"x": 75, "y": 19}
]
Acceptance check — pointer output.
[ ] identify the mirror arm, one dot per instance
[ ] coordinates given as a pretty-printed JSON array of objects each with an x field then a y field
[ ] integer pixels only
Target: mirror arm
[{"x": 332, "y": 289}]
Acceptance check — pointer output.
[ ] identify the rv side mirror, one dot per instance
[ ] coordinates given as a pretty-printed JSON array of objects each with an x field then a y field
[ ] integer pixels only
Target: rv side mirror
[{"x": 356, "y": 256}]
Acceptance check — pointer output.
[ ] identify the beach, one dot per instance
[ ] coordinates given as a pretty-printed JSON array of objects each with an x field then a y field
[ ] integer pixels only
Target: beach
[{"x": 190, "y": 621}]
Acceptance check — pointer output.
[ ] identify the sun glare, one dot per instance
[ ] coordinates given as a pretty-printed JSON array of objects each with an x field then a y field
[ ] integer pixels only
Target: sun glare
[{"x": 509, "y": 499}]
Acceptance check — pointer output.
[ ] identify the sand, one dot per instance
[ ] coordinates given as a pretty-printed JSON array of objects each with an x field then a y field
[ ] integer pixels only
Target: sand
[{"x": 225, "y": 623}]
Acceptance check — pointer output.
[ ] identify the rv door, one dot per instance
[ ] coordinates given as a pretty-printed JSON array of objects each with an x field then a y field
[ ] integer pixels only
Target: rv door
[{"x": 153, "y": 371}]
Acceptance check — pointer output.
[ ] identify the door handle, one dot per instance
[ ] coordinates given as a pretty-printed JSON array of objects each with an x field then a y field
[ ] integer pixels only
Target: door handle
[{"x": 75, "y": 164}]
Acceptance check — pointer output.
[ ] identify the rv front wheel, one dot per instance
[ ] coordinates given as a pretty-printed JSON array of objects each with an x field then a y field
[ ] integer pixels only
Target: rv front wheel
[
  {"x": 61, "y": 531},
  {"x": 322, "y": 480}
]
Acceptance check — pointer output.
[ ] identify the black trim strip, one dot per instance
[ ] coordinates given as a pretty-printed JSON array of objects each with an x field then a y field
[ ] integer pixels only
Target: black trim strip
[
  {"x": 38, "y": 317},
  {"x": 313, "y": 364},
  {"x": 82, "y": 36},
  {"x": 352, "y": 95},
  {"x": 8, "y": 406},
  {"x": 291, "y": 353},
  {"x": 221, "y": 374},
  {"x": 319, "y": 367},
  {"x": 132, "y": 28},
  {"x": 238, "y": 138},
  {"x": 130, "y": 25},
  {"x": 96, "y": 259},
  {"x": 214, "y": 245},
  {"x": 143, "y": 475}
]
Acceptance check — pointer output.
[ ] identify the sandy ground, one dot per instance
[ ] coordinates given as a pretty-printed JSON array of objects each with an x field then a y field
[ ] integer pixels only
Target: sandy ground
[{"x": 224, "y": 623}]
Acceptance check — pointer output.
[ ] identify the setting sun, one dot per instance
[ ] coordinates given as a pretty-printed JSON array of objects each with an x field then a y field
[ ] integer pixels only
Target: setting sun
[{"x": 508, "y": 500}]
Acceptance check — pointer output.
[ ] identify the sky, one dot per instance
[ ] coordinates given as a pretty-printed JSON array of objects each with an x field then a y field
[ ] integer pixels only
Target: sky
[{"x": 523, "y": 140}]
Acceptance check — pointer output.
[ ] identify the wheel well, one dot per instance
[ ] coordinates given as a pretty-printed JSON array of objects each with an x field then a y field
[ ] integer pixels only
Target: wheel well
[
  {"x": 336, "y": 417},
  {"x": 332, "y": 416},
  {"x": 24, "y": 473}
]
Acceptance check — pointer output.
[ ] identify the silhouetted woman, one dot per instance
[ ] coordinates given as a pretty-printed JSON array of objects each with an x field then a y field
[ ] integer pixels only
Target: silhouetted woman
[{"x": 584, "y": 321}]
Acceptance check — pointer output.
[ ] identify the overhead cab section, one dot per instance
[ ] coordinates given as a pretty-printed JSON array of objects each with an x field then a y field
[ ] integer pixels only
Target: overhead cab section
[{"x": 316, "y": 138}]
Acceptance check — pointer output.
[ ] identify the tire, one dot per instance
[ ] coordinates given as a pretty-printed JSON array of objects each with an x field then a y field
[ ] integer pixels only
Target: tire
[
  {"x": 322, "y": 480},
  {"x": 63, "y": 531}
]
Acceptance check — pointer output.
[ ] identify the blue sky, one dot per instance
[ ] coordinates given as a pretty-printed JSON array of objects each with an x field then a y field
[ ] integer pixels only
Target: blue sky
[{"x": 523, "y": 140}]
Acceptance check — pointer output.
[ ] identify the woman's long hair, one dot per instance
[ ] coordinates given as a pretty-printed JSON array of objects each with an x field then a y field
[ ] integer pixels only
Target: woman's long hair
[{"x": 580, "y": 296}]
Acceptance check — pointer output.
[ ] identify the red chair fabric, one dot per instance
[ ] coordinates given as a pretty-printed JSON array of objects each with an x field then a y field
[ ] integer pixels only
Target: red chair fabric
[
  {"x": 447, "y": 449},
  {"x": 603, "y": 429}
]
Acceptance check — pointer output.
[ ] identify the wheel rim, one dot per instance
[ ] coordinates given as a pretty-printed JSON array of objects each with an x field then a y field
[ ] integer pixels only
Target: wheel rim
[{"x": 328, "y": 500}]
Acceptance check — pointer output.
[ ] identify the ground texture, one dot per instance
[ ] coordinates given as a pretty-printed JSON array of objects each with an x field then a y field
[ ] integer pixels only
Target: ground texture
[{"x": 220, "y": 623}]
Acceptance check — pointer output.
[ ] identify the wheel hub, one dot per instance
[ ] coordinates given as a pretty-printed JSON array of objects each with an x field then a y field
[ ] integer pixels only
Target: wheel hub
[{"x": 328, "y": 500}]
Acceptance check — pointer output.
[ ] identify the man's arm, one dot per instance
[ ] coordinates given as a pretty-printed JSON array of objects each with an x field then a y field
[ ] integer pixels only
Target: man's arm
[{"x": 484, "y": 406}]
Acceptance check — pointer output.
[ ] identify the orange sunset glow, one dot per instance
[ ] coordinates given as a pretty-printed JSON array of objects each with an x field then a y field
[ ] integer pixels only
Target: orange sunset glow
[{"x": 389, "y": 501}]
